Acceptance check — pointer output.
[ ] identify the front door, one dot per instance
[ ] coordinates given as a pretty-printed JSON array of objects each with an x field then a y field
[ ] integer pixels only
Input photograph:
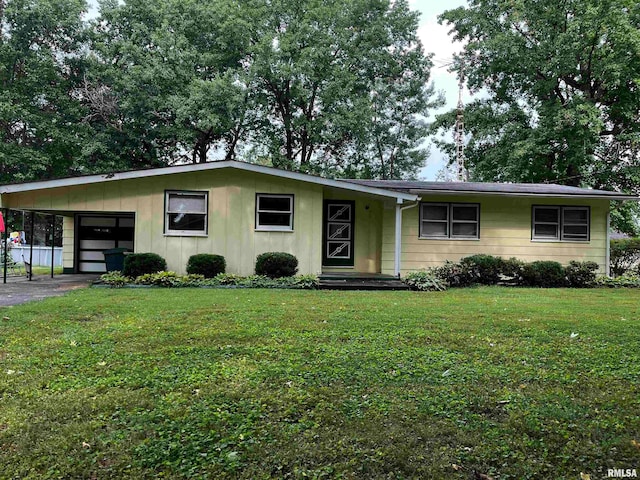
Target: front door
[{"x": 339, "y": 218}]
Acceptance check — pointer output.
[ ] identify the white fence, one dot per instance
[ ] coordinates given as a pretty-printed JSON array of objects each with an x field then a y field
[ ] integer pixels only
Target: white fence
[{"x": 41, "y": 255}]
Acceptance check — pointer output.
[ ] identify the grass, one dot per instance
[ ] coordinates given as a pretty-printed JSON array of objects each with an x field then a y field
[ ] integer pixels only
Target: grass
[{"x": 296, "y": 384}]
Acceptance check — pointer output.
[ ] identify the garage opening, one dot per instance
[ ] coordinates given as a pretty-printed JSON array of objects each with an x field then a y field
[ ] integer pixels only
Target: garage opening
[{"x": 97, "y": 233}]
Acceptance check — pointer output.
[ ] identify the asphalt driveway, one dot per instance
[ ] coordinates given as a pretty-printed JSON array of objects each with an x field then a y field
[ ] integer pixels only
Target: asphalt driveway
[{"x": 19, "y": 290}]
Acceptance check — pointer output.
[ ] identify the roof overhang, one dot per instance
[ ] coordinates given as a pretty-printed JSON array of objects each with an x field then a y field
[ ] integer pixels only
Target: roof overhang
[
  {"x": 587, "y": 196},
  {"x": 199, "y": 167}
]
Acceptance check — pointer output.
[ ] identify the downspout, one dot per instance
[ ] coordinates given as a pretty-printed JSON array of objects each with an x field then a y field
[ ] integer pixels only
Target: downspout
[
  {"x": 398, "y": 249},
  {"x": 607, "y": 257}
]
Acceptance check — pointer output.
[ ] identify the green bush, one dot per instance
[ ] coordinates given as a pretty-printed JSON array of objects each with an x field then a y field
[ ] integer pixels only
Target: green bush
[
  {"x": 425, "y": 280},
  {"x": 206, "y": 264},
  {"x": 511, "y": 270},
  {"x": 136, "y": 264},
  {"x": 276, "y": 264},
  {"x": 627, "y": 280},
  {"x": 543, "y": 274},
  {"x": 581, "y": 274},
  {"x": 455, "y": 274},
  {"x": 170, "y": 279},
  {"x": 483, "y": 269},
  {"x": 116, "y": 279},
  {"x": 624, "y": 254}
]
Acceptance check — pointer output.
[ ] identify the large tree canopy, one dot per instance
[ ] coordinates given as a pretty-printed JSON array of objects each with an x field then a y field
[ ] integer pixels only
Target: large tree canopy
[
  {"x": 324, "y": 86},
  {"x": 40, "y": 68},
  {"x": 563, "y": 90}
]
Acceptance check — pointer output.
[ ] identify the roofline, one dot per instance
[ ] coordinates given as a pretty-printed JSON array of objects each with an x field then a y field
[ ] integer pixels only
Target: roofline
[
  {"x": 613, "y": 196},
  {"x": 153, "y": 172}
]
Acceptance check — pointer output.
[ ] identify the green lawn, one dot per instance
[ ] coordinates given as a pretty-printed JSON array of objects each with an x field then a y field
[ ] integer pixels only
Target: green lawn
[{"x": 151, "y": 383}]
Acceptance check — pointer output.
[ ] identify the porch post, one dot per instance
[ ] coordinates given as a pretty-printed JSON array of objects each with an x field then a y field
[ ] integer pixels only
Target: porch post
[
  {"x": 33, "y": 221},
  {"x": 398, "y": 243},
  {"x": 5, "y": 246},
  {"x": 53, "y": 240},
  {"x": 607, "y": 257}
]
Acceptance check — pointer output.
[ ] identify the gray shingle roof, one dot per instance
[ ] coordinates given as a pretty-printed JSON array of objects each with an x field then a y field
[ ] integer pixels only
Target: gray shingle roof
[{"x": 515, "y": 189}]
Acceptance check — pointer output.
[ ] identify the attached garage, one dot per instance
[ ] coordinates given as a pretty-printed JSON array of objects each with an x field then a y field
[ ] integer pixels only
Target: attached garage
[{"x": 97, "y": 233}]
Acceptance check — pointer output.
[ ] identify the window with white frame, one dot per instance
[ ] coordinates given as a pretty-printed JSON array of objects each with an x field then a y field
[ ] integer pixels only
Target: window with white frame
[
  {"x": 560, "y": 223},
  {"x": 185, "y": 213},
  {"x": 274, "y": 212},
  {"x": 450, "y": 220}
]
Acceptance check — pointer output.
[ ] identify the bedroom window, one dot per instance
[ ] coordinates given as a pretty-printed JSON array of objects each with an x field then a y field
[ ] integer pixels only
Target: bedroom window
[
  {"x": 557, "y": 223},
  {"x": 274, "y": 212},
  {"x": 450, "y": 220},
  {"x": 185, "y": 213}
]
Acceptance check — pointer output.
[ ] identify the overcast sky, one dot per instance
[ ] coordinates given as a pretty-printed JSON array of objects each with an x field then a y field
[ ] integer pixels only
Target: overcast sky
[{"x": 436, "y": 40}]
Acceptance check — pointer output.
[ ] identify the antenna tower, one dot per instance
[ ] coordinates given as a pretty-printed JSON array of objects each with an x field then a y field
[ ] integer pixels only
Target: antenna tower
[{"x": 459, "y": 135}]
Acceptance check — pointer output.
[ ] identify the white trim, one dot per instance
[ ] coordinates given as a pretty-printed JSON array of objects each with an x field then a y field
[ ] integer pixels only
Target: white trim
[
  {"x": 199, "y": 167},
  {"x": 398, "y": 236},
  {"x": 274, "y": 228},
  {"x": 167, "y": 212}
]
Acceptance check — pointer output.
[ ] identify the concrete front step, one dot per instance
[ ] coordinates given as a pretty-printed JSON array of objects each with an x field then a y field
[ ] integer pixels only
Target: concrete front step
[{"x": 362, "y": 284}]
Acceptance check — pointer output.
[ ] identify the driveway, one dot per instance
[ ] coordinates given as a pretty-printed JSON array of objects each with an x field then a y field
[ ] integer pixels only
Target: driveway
[{"x": 20, "y": 290}]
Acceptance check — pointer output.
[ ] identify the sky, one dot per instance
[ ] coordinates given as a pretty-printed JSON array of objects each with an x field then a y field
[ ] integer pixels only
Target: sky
[{"x": 436, "y": 40}]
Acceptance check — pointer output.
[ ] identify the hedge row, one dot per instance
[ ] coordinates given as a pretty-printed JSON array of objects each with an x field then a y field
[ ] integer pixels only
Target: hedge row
[
  {"x": 490, "y": 270},
  {"x": 173, "y": 280}
]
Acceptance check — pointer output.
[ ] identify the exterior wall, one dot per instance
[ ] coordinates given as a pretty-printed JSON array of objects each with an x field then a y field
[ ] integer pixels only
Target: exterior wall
[
  {"x": 505, "y": 230},
  {"x": 231, "y": 215},
  {"x": 68, "y": 242},
  {"x": 367, "y": 232}
]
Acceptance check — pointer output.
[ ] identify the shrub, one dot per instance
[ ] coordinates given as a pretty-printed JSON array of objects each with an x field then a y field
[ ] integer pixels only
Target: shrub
[
  {"x": 425, "y": 280},
  {"x": 455, "y": 274},
  {"x": 170, "y": 279},
  {"x": 627, "y": 280},
  {"x": 624, "y": 254},
  {"x": 483, "y": 269},
  {"x": 543, "y": 274},
  {"x": 206, "y": 264},
  {"x": 581, "y": 274},
  {"x": 511, "y": 270},
  {"x": 136, "y": 264},
  {"x": 115, "y": 279},
  {"x": 276, "y": 264}
]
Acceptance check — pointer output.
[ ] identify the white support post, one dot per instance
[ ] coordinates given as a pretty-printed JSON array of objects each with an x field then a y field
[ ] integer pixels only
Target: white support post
[
  {"x": 398, "y": 245},
  {"x": 607, "y": 258}
]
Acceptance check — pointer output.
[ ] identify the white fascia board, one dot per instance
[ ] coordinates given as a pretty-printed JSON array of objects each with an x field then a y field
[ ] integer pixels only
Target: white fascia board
[
  {"x": 111, "y": 177},
  {"x": 622, "y": 197}
]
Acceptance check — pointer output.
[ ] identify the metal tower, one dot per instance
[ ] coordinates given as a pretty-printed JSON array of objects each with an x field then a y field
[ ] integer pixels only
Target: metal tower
[{"x": 459, "y": 136}]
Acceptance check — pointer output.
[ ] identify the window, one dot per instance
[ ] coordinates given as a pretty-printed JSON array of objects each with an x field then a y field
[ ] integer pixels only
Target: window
[
  {"x": 558, "y": 223},
  {"x": 186, "y": 213},
  {"x": 450, "y": 220},
  {"x": 274, "y": 212}
]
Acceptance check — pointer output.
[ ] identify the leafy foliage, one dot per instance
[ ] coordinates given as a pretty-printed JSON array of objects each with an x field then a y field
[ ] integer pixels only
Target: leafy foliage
[
  {"x": 276, "y": 264},
  {"x": 425, "y": 280},
  {"x": 561, "y": 100},
  {"x": 116, "y": 279},
  {"x": 206, "y": 264},
  {"x": 543, "y": 273},
  {"x": 626, "y": 280},
  {"x": 624, "y": 255},
  {"x": 136, "y": 264},
  {"x": 581, "y": 274},
  {"x": 485, "y": 269}
]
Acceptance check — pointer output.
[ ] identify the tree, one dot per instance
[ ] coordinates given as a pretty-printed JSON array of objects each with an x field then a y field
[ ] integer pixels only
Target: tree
[
  {"x": 173, "y": 70},
  {"x": 41, "y": 65},
  {"x": 563, "y": 90},
  {"x": 342, "y": 85}
]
